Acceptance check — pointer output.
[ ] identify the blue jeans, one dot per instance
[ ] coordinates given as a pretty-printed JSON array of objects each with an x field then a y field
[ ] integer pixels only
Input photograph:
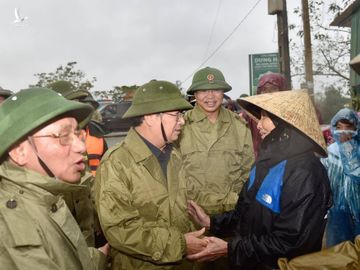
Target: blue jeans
[{"x": 341, "y": 226}]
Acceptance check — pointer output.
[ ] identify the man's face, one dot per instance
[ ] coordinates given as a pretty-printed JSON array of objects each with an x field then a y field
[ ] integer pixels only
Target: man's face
[
  {"x": 209, "y": 100},
  {"x": 64, "y": 156},
  {"x": 345, "y": 126},
  {"x": 172, "y": 123}
]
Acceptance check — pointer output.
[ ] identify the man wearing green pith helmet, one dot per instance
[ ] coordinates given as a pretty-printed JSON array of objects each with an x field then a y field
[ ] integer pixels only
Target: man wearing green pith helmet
[
  {"x": 139, "y": 189},
  {"x": 215, "y": 145},
  {"x": 41, "y": 152}
]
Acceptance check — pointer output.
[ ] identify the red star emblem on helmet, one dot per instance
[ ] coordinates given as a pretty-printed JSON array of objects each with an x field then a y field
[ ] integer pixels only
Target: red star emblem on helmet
[{"x": 210, "y": 77}]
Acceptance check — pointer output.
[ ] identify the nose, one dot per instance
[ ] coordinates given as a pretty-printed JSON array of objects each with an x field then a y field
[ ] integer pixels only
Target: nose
[
  {"x": 79, "y": 145},
  {"x": 181, "y": 120},
  {"x": 258, "y": 126}
]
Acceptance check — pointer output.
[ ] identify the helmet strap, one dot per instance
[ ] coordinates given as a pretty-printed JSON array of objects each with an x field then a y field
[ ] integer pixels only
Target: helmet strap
[
  {"x": 41, "y": 162},
  {"x": 163, "y": 133}
]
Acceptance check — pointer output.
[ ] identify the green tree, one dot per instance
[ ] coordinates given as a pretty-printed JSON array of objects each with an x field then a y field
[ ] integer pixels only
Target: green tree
[
  {"x": 118, "y": 93},
  {"x": 331, "y": 102},
  {"x": 330, "y": 45},
  {"x": 67, "y": 73}
]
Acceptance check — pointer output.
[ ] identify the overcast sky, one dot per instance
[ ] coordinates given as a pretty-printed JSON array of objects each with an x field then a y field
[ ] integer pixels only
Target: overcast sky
[{"x": 131, "y": 42}]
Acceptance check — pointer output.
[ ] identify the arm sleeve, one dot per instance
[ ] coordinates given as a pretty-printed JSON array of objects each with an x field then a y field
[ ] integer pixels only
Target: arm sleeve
[
  {"x": 140, "y": 235},
  {"x": 297, "y": 228}
]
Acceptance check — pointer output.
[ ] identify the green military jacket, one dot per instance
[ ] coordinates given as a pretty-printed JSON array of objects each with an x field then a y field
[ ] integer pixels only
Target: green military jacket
[
  {"x": 81, "y": 206},
  {"x": 216, "y": 158},
  {"x": 142, "y": 214},
  {"x": 37, "y": 230},
  {"x": 344, "y": 256}
]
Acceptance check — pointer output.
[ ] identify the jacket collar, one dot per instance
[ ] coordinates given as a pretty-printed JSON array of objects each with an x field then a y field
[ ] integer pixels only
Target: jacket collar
[
  {"x": 197, "y": 114},
  {"x": 139, "y": 150},
  {"x": 32, "y": 181}
]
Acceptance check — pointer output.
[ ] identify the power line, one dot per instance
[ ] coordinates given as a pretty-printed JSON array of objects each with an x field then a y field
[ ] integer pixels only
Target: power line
[
  {"x": 223, "y": 42},
  {"x": 212, "y": 29}
]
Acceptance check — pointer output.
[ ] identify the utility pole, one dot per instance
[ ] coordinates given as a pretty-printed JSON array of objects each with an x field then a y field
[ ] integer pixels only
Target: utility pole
[
  {"x": 278, "y": 7},
  {"x": 309, "y": 79}
]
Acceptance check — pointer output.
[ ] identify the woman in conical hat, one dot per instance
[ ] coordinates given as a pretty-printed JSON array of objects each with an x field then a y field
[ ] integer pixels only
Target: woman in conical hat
[{"x": 281, "y": 210}]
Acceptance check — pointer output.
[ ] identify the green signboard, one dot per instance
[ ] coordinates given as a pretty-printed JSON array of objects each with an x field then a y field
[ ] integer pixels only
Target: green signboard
[{"x": 260, "y": 64}]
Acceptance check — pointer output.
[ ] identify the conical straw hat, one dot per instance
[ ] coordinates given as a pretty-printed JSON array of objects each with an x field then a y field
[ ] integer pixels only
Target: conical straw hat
[{"x": 294, "y": 107}]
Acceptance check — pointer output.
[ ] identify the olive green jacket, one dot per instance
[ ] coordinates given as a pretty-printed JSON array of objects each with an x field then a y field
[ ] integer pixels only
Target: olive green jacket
[
  {"x": 37, "y": 230},
  {"x": 216, "y": 158},
  {"x": 142, "y": 214},
  {"x": 81, "y": 206},
  {"x": 344, "y": 256}
]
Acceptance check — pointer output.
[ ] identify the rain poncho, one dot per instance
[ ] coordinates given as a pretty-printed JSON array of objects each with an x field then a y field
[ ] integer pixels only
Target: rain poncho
[{"x": 343, "y": 166}]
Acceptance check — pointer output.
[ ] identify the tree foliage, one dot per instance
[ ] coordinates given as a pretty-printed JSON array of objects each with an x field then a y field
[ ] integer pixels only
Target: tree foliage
[
  {"x": 330, "y": 45},
  {"x": 330, "y": 102},
  {"x": 118, "y": 93},
  {"x": 67, "y": 73}
]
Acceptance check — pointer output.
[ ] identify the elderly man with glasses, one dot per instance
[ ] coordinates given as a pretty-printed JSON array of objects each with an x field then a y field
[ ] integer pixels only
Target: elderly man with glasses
[{"x": 41, "y": 151}]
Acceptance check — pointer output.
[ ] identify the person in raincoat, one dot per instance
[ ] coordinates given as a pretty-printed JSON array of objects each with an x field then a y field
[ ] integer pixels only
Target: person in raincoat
[
  {"x": 343, "y": 167},
  {"x": 215, "y": 145},
  {"x": 281, "y": 212},
  {"x": 41, "y": 152},
  {"x": 140, "y": 191}
]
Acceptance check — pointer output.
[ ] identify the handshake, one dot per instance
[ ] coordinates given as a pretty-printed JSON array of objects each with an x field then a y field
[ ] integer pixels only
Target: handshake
[{"x": 199, "y": 248}]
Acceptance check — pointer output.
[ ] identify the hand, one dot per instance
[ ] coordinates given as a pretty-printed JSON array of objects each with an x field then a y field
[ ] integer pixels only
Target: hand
[
  {"x": 105, "y": 249},
  {"x": 194, "y": 244},
  {"x": 198, "y": 214},
  {"x": 215, "y": 249}
]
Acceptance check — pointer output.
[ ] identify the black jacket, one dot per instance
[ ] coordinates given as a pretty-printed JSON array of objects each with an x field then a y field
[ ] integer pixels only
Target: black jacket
[{"x": 291, "y": 220}]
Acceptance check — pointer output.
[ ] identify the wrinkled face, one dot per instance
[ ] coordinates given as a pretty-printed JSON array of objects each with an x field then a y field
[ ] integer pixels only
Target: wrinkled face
[
  {"x": 172, "y": 123},
  {"x": 265, "y": 125},
  {"x": 209, "y": 100},
  {"x": 344, "y": 126},
  {"x": 269, "y": 88},
  {"x": 61, "y": 147}
]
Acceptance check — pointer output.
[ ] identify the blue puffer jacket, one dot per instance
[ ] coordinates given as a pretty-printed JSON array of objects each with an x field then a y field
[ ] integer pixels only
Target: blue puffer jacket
[{"x": 281, "y": 212}]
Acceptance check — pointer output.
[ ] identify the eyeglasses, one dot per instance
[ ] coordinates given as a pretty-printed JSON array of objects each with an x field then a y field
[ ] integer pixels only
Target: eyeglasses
[
  {"x": 178, "y": 115},
  {"x": 66, "y": 137}
]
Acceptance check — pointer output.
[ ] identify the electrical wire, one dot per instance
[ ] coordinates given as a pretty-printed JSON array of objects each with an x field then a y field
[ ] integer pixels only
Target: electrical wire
[
  {"x": 223, "y": 42},
  {"x": 212, "y": 29}
]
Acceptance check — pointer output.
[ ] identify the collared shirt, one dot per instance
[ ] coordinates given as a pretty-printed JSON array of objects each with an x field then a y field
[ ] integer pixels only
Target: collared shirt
[{"x": 162, "y": 156}]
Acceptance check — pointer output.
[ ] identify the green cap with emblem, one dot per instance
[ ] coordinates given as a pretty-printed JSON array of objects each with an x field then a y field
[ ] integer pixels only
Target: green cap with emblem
[
  {"x": 155, "y": 97},
  {"x": 5, "y": 93},
  {"x": 29, "y": 109},
  {"x": 208, "y": 79}
]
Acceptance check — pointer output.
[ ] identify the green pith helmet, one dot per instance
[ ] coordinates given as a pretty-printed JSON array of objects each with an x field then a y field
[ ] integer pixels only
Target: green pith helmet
[
  {"x": 30, "y": 109},
  {"x": 155, "y": 97},
  {"x": 68, "y": 90},
  {"x": 5, "y": 93},
  {"x": 89, "y": 99},
  {"x": 208, "y": 79}
]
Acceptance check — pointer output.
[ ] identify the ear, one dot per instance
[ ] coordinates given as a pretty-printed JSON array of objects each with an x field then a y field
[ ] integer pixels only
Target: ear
[
  {"x": 150, "y": 119},
  {"x": 19, "y": 153}
]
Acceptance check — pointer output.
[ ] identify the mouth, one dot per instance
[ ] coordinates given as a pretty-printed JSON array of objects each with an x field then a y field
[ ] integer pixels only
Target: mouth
[{"x": 80, "y": 165}]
